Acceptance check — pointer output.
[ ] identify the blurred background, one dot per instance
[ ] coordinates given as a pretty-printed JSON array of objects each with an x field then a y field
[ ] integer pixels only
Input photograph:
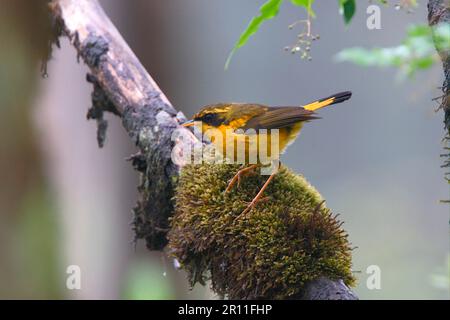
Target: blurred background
[{"x": 376, "y": 159}]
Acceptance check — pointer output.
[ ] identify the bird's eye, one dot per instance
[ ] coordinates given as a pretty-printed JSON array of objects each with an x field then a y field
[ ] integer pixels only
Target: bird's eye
[
  {"x": 211, "y": 119},
  {"x": 207, "y": 117}
]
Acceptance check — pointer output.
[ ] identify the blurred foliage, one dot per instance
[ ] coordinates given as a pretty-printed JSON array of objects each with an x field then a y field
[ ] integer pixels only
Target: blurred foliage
[
  {"x": 146, "y": 281},
  {"x": 416, "y": 52},
  {"x": 30, "y": 249},
  {"x": 441, "y": 278},
  {"x": 387, "y": 56},
  {"x": 28, "y": 240},
  {"x": 37, "y": 244},
  {"x": 24, "y": 33},
  {"x": 402, "y": 4}
]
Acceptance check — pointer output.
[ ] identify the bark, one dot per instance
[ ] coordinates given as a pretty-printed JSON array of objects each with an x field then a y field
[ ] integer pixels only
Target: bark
[
  {"x": 439, "y": 12},
  {"x": 122, "y": 86},
  {"x": 326, "y": 289}
]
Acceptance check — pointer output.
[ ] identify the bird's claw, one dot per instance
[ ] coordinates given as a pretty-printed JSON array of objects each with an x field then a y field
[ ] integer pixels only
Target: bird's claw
[{"x": 237, "y": 178}]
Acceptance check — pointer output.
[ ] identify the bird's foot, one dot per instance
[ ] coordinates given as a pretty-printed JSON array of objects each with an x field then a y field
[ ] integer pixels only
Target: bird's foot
[
  {"x": 237, "y": 177},
  {"x": 258, "y": 197}
]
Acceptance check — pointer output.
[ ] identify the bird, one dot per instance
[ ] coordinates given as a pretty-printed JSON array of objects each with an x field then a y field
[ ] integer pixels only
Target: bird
[{"x": 225, "y": 123}]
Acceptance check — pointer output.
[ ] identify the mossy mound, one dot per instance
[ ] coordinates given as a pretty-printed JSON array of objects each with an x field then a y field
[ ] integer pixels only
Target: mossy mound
[{"x": 273, "y": 251}]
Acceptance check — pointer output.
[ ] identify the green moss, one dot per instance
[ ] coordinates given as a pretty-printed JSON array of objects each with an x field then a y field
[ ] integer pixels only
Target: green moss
[{"x": 273, "y": 251}]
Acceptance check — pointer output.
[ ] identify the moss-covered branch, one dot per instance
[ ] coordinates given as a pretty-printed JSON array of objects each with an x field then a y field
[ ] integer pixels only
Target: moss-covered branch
[
  {"x": 272, "y": 253},
  {"x": 312, "y": 259}
]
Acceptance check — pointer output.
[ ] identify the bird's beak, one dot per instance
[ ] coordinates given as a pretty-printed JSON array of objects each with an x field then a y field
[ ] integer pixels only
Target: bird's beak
[{"x": 189, "y": 123}]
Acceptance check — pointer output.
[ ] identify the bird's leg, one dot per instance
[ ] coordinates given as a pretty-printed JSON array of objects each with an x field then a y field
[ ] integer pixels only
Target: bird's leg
[
  {"x": 258, "y": 197},
  {"x": 238, "y": 175}
]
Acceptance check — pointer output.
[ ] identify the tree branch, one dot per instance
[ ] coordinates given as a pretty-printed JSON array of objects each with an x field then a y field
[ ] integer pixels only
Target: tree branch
[
  {"x": 326, "y": 289},
  {"x": 438, "y": 13},
  {"x": 122, "y": 86}
]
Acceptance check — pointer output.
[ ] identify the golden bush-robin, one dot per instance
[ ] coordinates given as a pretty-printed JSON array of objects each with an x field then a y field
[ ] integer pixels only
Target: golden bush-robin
[{"x": 254, "y": 125}]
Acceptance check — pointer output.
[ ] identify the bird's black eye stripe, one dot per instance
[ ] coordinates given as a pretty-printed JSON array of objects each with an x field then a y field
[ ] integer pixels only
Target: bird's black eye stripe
[{"x": 211, "y": 119}]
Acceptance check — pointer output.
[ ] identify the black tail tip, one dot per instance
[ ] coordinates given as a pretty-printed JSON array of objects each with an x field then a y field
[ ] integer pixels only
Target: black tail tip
[{"x": 341, "y": 96}]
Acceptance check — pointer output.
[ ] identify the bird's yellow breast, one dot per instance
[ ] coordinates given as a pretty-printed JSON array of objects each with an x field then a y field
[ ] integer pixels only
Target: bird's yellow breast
[{"x": 255, "y": 145}]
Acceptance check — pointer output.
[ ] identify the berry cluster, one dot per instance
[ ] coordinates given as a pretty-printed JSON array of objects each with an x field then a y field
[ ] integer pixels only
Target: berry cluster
[{"x": 304, "y": 39}]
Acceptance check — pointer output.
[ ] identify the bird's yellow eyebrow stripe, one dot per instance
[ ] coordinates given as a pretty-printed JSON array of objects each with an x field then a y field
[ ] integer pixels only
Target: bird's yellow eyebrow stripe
[{"x": 218, "y": 110}]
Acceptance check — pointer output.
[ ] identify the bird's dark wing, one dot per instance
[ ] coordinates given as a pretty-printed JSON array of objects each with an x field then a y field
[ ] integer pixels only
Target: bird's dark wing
[{"x": 279, "y": 117}]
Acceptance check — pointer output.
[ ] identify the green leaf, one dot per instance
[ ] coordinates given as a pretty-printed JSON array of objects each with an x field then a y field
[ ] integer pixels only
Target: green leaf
[
  {"x": 307, "y": 4},
  {"x": 418, "y": 30},
  {"x": 416, "y": 52},
  {"x": 423, "y": 63},
  {"x": 348, "y": 8},
  {"x": 267, "y": 11}
]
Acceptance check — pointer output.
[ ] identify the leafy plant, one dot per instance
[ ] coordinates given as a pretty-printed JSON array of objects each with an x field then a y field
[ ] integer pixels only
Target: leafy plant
[
  {"x": 416, "y": 52},
  {"x": 270, "y": 9}
]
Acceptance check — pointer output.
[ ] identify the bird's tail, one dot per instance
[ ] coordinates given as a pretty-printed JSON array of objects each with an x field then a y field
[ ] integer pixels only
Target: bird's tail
[{"x": 335, "y": 98}]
